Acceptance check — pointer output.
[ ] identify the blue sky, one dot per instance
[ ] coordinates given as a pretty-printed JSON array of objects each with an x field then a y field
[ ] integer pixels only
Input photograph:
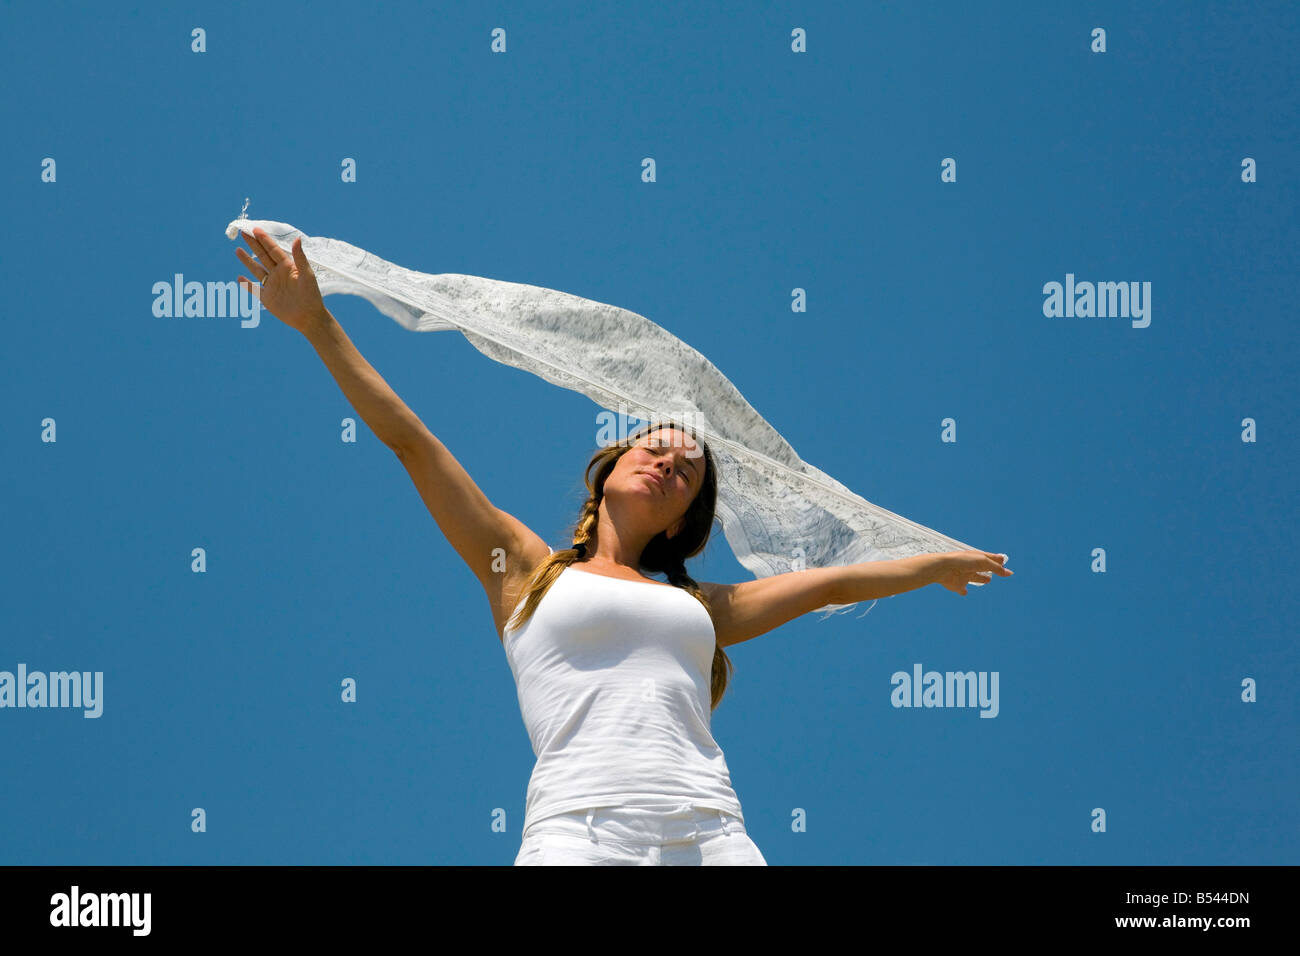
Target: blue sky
[{"x": 776, "y": 170}]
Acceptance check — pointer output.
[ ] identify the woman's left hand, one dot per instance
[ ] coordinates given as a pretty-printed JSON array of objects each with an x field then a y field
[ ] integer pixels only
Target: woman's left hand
[{"x": 971, "y": 567}]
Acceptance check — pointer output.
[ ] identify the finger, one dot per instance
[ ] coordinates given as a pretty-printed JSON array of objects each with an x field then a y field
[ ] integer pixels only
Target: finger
[
  {"x": 300, "y": 257},
  {"x": 272, "y": 247},
  {"x": 254, "y": 266},
  {"x": 255, "y": 244},
  {"x": 253, "y": 286},
  {"x": 264, "y": 260},
  {"x": 1000, "y": 564}
]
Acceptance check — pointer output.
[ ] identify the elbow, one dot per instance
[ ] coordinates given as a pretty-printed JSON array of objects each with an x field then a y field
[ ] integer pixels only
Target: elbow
[
  {"x": 403, "y": 444},
  {"x": 411, "y": 442}
]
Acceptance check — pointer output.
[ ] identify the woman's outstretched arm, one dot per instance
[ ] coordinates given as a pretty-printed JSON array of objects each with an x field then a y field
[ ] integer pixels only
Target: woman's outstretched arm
[
  {"x": 288, "y": 291},
  {"x": 746, "y": 610},
  {"x": 477, "y": 529},
  {"x": 388, "y": 416}
]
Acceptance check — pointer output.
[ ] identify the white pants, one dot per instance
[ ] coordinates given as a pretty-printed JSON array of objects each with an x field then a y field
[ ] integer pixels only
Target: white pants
[{"x": 639, "y": 836}]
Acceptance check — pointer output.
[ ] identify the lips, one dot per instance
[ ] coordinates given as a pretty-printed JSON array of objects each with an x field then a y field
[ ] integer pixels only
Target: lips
[{"x": 655, "y": 478}]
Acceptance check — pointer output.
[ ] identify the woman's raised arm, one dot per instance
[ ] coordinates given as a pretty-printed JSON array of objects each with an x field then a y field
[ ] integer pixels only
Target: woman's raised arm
[
  {"x": 288, "y": 291},
  {"x": 472, "y": 524}
]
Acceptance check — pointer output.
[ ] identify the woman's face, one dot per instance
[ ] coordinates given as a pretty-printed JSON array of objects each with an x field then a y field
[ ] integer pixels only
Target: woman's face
[{"x": 666, "y": 468}]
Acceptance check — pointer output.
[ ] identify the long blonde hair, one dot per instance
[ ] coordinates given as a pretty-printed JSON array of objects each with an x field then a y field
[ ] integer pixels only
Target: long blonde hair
[{"x": 664, "y": 554}]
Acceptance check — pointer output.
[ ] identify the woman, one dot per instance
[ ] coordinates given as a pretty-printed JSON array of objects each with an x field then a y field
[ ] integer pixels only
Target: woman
[{"x": 617, "y": 673}]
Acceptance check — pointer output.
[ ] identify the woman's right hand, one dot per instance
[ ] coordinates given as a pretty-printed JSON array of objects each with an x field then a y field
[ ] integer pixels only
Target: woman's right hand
[{"x": 288, "y": 285}]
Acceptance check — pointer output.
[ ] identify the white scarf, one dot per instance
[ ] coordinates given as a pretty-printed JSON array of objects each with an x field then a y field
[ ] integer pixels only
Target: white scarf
[{"x": 778, "y": 512}]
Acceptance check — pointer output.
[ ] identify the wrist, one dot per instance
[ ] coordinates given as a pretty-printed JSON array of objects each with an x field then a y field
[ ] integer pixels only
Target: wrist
[
  {"x": 316, "y": 323},
  {"x": 938, "y": 566}
]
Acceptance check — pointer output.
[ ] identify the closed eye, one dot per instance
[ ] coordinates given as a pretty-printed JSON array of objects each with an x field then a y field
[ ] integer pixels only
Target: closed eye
[{"x": 687, "y": 474}]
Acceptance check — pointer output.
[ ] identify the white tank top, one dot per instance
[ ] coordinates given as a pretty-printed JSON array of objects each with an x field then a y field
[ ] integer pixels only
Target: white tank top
[{"x": 613, "y": 682}]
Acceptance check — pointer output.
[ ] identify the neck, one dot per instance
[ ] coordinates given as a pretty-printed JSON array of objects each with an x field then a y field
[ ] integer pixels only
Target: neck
[{"x": 617, "y": 545}]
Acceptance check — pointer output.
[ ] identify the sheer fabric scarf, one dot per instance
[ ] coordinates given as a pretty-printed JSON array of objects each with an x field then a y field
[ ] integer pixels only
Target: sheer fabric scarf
[{"x": 778, "y": 512}]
